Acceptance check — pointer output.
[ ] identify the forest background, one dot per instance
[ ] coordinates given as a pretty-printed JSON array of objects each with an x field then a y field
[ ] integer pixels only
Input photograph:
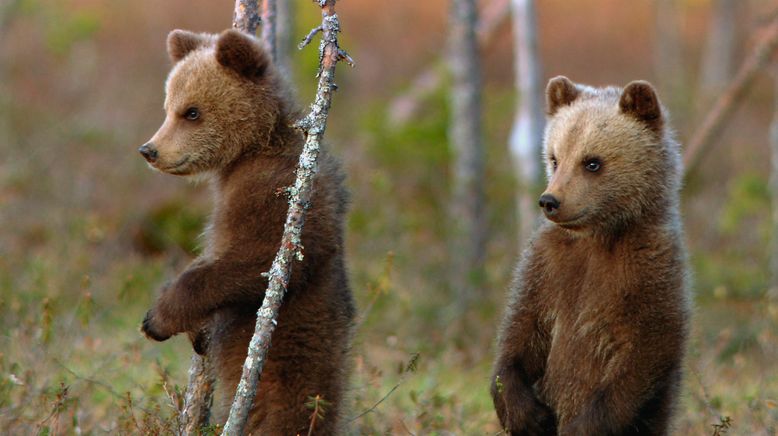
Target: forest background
[{"x": 89, "y": 233}]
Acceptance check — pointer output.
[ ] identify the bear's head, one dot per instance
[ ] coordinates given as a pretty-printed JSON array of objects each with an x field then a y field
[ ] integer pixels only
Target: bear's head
[
  {"x": 220, "y": 102},
  {"x": 610, "y": 158}
]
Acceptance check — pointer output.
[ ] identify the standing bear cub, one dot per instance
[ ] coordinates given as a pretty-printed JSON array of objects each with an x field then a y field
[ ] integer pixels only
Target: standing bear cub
[
  {"x": 228, "y": 116},
  {"x": 593, "y": 338}
]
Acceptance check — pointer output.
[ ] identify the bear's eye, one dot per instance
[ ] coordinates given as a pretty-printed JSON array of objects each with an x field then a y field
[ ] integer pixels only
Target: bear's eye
[
  {"x": 192, "y": 114},
  {"x": 553, "y": 163},
  {"x": 592, "y": 165}
]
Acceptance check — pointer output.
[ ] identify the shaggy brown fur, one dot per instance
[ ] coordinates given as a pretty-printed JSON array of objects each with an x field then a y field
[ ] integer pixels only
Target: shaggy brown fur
[
  {"x": 593, "y": 339},
  {"x": 228, "y": 116}
]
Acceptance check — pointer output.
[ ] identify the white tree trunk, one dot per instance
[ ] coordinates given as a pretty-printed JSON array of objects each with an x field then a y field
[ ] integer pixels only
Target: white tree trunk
[
  {"x": 468, "y": 232},
  {"x": 527, "y": 133}
]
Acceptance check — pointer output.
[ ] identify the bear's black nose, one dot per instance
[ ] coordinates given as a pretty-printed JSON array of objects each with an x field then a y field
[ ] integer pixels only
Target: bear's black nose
[
  {"x": 549, "y": 203},
  {"x": 148, "y": 152}
]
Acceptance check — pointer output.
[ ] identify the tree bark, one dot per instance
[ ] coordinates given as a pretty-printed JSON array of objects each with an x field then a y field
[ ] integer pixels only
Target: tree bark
[
  {"x": 199, "y": 396},
  {"x": 721, "y": 112},
  {"x": 467, "y": 235},
  {"x": 246, "y": 16},
  {"x": 527, "y": 134},
  {"x": 313, "y": 125}
]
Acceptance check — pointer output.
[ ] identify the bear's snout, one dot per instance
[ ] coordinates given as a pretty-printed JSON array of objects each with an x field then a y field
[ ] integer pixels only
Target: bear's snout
[
  {"x": 549, "y": 204},
  {"x": 149, "y": 152}
]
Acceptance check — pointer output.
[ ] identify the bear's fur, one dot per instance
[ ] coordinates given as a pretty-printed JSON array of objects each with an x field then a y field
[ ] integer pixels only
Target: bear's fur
[
  {"x": 228, "y": 117},
  {"x": 594, "y": 333}
]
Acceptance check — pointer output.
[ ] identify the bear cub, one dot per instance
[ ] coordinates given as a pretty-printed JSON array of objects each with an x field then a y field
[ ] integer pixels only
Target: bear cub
[
  {"x": 228, "y": 117},
  {"x": 596, "y": 324}
]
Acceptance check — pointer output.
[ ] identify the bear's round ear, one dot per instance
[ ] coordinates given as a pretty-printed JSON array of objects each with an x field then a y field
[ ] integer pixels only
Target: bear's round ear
[
  {"x": 640, "y": 101},
  {"x": 560, "y": 91},
  {"x": 181, "y": 42},
  {"x": 242, "y": 53}
]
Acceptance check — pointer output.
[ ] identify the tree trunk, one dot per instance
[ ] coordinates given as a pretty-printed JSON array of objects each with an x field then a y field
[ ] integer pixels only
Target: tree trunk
[
  {"x": 285, "y": 35},
  {"x": 527, "y": 134},
  {"x": 467, "y": 229},
  {"x": 719, "y": 54},
  {"x": 773, "y": 292}
]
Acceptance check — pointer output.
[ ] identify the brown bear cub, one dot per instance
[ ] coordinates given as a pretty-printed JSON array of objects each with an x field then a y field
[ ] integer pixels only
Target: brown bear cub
[
  {"x": 593, "y": 338},
  {"x": 228, "y": 117}
]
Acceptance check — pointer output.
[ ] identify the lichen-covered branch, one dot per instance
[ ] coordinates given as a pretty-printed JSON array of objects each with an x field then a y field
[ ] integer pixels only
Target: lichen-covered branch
[
  {"x": 313, "y": 127},
  {"x": 716, "y": 119},
  {"x": 246, "y": 17},
  {"x": 198, "y": 398}
]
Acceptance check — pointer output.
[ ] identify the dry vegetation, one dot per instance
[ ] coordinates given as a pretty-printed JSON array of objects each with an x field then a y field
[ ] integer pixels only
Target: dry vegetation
[{"x": 89, "y": 234}]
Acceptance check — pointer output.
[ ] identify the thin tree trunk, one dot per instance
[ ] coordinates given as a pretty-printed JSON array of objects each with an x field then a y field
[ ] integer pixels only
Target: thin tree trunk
[
  {"x": 246, "y": 16},
  {"x": 198, "y": 397},
  {"x": 468, "y": 234},
  {"x": 720, "y": 114},
  {"x": 199, "y": 391},
  {"x": 285, "y": 35},
  {"x": 773, "y": 292},
  {"x": 403, "y": 107},
  {"x": 269, "y": 26},
  {"x": 527, "y": 134},
  {"x": 718, "y": 57},
  {"x": 313, "y": 125}
]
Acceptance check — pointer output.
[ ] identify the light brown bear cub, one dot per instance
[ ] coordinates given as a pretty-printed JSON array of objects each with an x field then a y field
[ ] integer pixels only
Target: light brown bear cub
[
  {"x": 593, "y": 338},
  {"x": 229, "y": 117}
]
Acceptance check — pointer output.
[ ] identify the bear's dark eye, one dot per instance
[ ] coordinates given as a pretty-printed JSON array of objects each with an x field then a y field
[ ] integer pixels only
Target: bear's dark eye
[
  {"x": 592, "y": 165},
  {"x": 553, "y": 163},
  {"x": 192, "y": 114}
]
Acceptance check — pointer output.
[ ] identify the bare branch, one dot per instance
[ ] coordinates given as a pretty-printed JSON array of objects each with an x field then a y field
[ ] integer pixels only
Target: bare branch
[
  {"x": 291, "y": 248},
  {"x": 719, "y": 115}
]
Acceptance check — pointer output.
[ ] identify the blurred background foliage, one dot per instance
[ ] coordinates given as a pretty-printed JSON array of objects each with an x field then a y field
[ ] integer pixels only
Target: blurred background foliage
[{"x": 89, "y": 234}]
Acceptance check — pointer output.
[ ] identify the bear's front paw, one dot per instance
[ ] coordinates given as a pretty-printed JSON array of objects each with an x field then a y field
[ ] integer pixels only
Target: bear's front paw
[{"x": 153, "y": 329}]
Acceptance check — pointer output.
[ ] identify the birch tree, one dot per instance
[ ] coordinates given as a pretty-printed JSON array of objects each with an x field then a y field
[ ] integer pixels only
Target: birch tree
[
  {"x": 527, "y": 133},
  {"x": 467, "y": 227}
]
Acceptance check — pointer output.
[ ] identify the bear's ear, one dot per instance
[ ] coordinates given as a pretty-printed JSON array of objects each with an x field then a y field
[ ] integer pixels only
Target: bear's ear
[
  {"x": 242, "y": 53},
  {"x": 181, "y": 42},
  {"x": 640, "y": 101},
  {"x": 560, "y": 91}
]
